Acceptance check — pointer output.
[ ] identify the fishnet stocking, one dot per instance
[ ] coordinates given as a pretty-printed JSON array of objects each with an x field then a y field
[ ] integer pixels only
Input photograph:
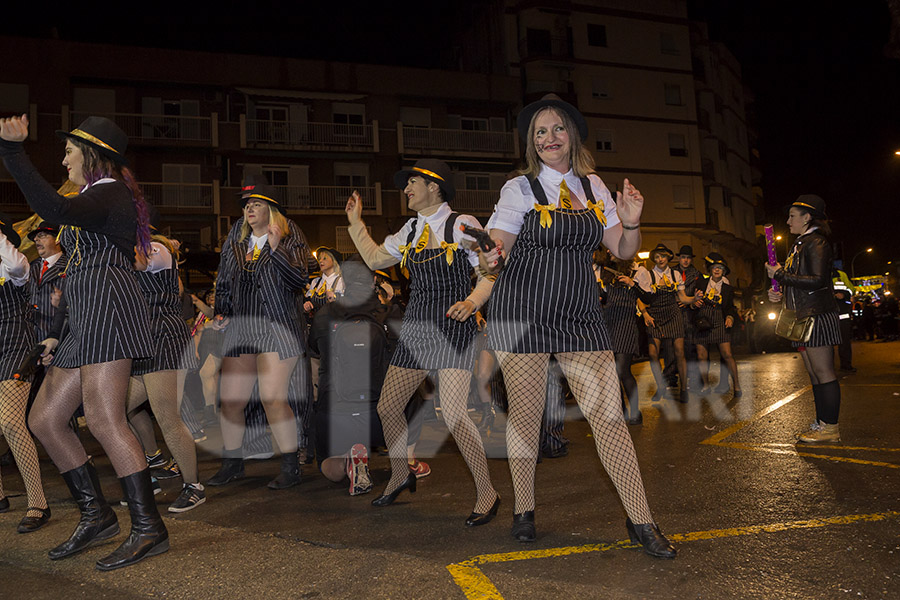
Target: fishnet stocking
[
  {"x": 13, "y": 398},
  {"x": 454, "y": 393},
  {"x": 399, "y": 386},
  {"x": 525, "y": 376},
  {"x": 595, "y": 385},
  {"x": 103, "y": 388}
]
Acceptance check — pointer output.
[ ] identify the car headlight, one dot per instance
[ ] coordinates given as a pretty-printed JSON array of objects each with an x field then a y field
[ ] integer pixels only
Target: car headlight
[{"x": 772, "y": 316}]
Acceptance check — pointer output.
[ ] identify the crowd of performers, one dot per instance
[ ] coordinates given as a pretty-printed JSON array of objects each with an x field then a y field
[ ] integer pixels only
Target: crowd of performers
[{"x": 103, "y": 300}]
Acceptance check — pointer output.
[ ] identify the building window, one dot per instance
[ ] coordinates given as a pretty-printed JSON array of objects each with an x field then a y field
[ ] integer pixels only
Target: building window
[
  {"x": 351, "y": 176},
  {"x": 343, "y": 113},
  {"x": 677, "y": 146},
  {"x": 605, "y": 140},
  {"x": 412, "y": 116},
  {"x": 596, "y": 35},
  {"x": 673, "y": 94},
  {"x": 726, "y": 198},
  {"x": 478, "y": 181},
  {"x": 667, "y": 43},
  {"x": 599, "y": 89},
  {"x": 538, "y": 41},
  {"x": 723, "y": 150},
  {"x": 681, "y": 196},
  {"x": 276, "y": 175},
  {"x": 473, "y": 124},
  {"x": 275, "y": 113}
]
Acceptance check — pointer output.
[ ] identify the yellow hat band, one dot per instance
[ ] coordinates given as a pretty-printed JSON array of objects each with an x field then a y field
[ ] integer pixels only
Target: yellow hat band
[
  {"x": 427, "y": 172},
  {"x": 261, "y": 197},
  {"x": 86, "y": 136}
]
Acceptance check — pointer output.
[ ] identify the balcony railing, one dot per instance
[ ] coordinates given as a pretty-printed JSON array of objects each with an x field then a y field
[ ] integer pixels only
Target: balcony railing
[
  {"x": 179, "y": 195},
  {"x": 430, "y": 140},
  {"x": 294, "y": 134},
  {"x": 161, "y": 128},
  {"x": 475, "y": 201},
  {"x": 320, "y": 199}
]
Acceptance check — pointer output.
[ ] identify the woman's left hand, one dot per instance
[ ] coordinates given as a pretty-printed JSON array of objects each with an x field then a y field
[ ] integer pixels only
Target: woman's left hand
[
  {"x": 729, "y": 322},
  {"x": 14, "y": 129},
  {"x": 275, "y": 235},
  {"x": 461, "y": 310},
  {"x": 629, "y": 204},
  {"x": 772, "y": 269}
]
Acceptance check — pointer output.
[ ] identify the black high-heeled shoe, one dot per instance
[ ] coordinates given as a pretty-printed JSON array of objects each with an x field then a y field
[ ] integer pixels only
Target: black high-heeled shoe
[
  {"x": 386, "y": 499},
  {"x": 649, "y": 536},
  {"x": 476, "y": 519},
  {"x": 523, "y": 526}
]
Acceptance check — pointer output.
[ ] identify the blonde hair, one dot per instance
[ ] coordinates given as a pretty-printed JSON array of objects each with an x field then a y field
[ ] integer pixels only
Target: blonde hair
[
  {"x": 580, "y": 159},
  {"x": 275, "y": 217}
]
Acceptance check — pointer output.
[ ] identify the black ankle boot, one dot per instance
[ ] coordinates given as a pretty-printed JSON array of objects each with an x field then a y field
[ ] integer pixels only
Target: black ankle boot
[
  {"x": 98, "y": 522},
  {"x": 232, "y": 469},
  {"x": 148, "y": 536},
  {"x": 649, "y": 536},
  {"x": 290, "y": 472},
  {"x": 523, "y": 526}
]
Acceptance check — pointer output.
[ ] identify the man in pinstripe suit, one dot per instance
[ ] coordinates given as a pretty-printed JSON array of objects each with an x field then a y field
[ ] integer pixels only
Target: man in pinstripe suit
[{"x": 45, "y": 281}]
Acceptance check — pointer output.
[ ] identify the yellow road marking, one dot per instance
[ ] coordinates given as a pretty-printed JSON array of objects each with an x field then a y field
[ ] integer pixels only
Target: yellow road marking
[
  {"x": 820, "y": 446},
  {"x": 763, "y": 448},
  {"x": 475, "y": 584},
  {"x": 715, "y": 439}
]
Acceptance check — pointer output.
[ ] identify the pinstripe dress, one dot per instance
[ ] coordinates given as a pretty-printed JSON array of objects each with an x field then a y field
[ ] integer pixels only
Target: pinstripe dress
[
  {"x": 261, "y": 297},
  {"x": 108, "y": 316},
  {"x": 428, "y": 338},
  {"x": 619, "y": 311},
  {"x": 712, "y": 309},
  {"x": 172, "y": 348},
  {"x": 545, "y": 299},
  {"x": 664, "y": 309},
  {"x": 16, "y": 330}
]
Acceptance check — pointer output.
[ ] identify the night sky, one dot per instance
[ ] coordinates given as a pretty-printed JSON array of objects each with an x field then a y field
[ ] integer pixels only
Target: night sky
[{"x": 827, "y": 99}]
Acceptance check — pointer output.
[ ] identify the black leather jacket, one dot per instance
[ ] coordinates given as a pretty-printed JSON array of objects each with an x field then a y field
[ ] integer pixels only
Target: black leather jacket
[{"x": 808, "y": 287}]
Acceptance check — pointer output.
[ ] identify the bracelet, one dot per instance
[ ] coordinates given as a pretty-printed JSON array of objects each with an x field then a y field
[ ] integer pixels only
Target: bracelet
[{"x": 624, "y": 226}]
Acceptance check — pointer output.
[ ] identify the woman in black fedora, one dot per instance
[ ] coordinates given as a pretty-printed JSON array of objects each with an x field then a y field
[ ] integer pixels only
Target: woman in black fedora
[
  {"x": 16, "y": 340},
  {"x": 329, "y": 284},
  {"x": 262, "y": 274},
  {"x": 718, "y": 310},
  {"x": 549, "y": 221},
  {"x": 103, "y": 227},
  {"x": 807, "y": 288},
  {"x": 437, "y": 333},
  {"x": 662, "y": 316}
]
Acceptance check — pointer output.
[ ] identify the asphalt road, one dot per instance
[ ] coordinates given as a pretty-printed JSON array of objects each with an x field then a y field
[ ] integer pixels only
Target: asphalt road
[{"x": 752, "y": 515}]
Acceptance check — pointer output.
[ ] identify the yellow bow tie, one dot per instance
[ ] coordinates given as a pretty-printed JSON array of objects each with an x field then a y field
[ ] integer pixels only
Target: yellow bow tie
[
  {"x": 545, "y": 210},
  {"x": 450, "y": 249},
  {"x": 404, "y": 250},
  {"x": 598, "y": 207}
]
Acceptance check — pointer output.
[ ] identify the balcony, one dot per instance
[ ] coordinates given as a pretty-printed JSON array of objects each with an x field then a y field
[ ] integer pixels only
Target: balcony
[
  {"x": 296, "y": 135},
  {"x": 468, "y": 202},
  {"x": 161, "y": 130},
  {"x": 198, "y": 197},
  {"x": 320, "y": 199},
  {"x": 428, "y": 141}
]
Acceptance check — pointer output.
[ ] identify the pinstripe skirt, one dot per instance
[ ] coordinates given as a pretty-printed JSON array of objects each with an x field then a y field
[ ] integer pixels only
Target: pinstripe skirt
[
  {"x": 718, "y": 334},
  {"x": 251, "y": 331},
  {"x": 826, "y": 331},
  {"x": 172, "y": 347},
  {"x": 16, "y": 340},
  {"x": 667, "y": 323},
  {"x": 619, "y": 314}
]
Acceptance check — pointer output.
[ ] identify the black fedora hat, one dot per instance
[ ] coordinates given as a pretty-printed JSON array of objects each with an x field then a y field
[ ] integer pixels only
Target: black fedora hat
[
  {"x": 44, "y": 227},
  {"x": 257, "y": 187},
  {"x": 550, "y": 101},
  {"x": 7, "y": 229},
  {"x": 662, "y": 249},
  {"x": 810, "y": 202},
  {"x": 714, "y": 258},
  {"x": 337, "y": 256},
  {"x": 101, "y": 134},
  {"x": 686, "y": 251},
  {"x": 431, "y": 169}
]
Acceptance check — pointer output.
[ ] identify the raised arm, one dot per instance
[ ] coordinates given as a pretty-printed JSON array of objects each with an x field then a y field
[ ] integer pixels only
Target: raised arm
[{"x": 375, "y": 256}]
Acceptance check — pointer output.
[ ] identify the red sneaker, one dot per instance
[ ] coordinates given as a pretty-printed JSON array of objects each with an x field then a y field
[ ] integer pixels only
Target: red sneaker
[{"x": 420, "y": 468}]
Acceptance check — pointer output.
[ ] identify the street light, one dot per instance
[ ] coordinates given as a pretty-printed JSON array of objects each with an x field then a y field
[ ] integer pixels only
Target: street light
[{"x": 853, "y": 260}]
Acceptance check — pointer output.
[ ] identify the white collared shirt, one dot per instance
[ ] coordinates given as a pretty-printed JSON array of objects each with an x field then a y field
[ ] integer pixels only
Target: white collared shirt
[
  {"x": 257, "y": 242},
  {"x": 436, "y": 222},
  {"x": 13, "y": 264},
  {"x": 517, "y": 198},
  {"x": 643, "y": 278},
  {"x": 52, "y": 260}
]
